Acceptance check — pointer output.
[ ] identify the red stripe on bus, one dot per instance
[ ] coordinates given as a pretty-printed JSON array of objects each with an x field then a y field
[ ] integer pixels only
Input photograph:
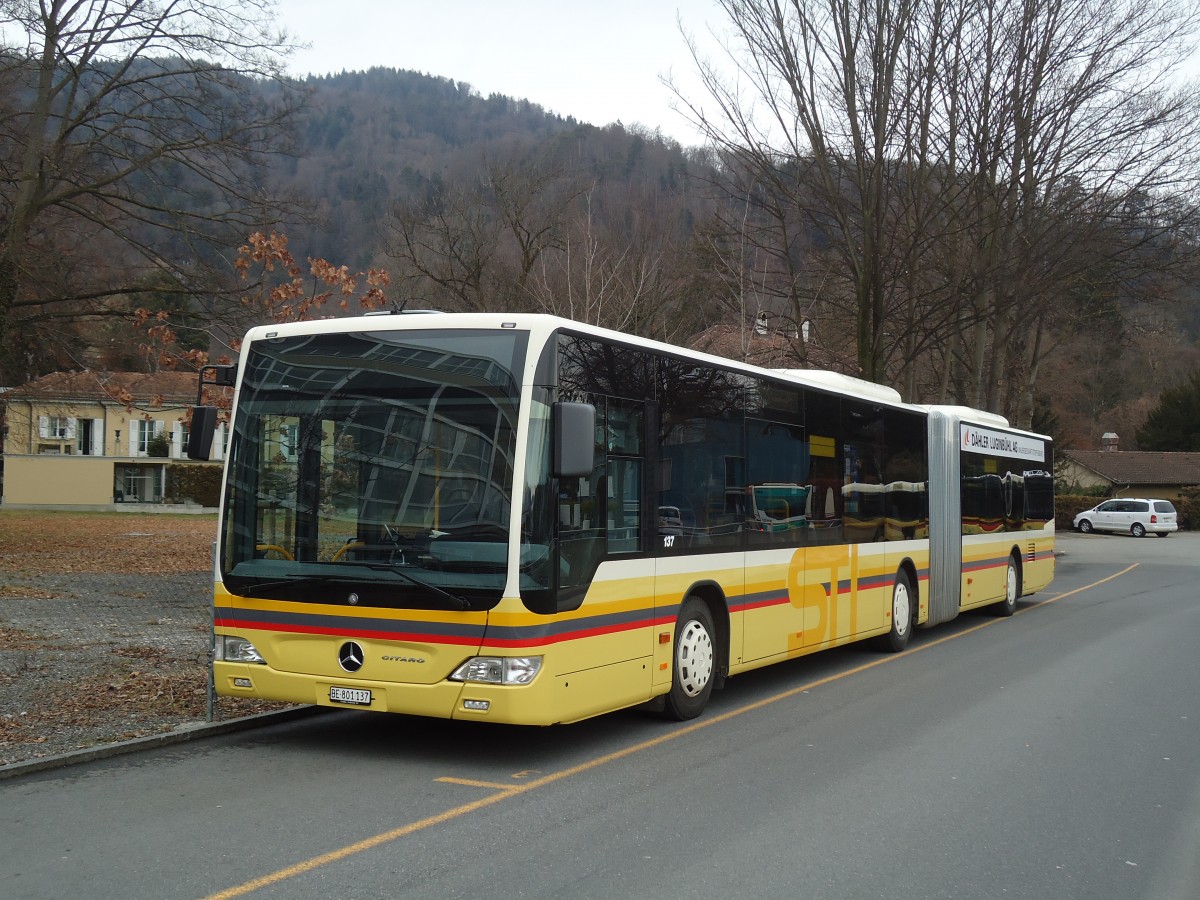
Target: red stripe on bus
[{"x": 349, "y": 632}]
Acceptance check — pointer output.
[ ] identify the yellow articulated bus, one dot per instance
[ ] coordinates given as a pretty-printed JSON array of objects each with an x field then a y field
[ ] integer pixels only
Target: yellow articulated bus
[{"x": 522, "y": 519}]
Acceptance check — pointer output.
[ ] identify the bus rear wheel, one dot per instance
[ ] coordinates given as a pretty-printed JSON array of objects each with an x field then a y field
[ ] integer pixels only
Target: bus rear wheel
[
  {"x": 1012, "y": 590},
  {"x": 694, "y": 661},
  {"x": 902, "y": 615}
]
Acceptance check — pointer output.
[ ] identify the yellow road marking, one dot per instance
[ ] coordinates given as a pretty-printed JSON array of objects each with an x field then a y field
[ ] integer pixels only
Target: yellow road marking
[
  {"x": 472, "y": 783},
  {"x": 505, "y": 791}
]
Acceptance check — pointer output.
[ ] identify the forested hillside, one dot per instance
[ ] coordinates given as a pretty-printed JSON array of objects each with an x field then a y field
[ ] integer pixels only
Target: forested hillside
[
  {"x": 1020, "y": 237},
  {"x": 475, "y": 202},
  {"x": 368, "y": 139},
  {"x": 490, "y": 202}
]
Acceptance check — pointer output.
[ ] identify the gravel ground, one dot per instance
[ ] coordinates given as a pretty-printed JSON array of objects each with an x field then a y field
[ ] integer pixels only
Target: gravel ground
[{"x": 89, "y": 658}]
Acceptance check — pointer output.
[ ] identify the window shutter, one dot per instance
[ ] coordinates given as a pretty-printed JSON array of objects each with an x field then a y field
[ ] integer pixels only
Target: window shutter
[
  {"x": 44, "y": 426},
  {"x": 97, "y": 437},
  {"x": 72, "y": 429},
  {"x": 133, "y": 437}
]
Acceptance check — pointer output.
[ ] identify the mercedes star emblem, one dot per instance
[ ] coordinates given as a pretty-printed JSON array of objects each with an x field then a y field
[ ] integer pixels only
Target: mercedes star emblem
[{"x": 350, "y": 656}]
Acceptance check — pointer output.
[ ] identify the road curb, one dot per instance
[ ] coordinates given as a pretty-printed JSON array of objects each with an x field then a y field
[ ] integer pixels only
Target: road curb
[{"x": 181, "y": 733}]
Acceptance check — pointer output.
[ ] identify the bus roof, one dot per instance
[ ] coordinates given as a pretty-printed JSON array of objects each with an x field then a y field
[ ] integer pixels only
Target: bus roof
[
  {"x": 543, "y": 324},
  {"x": 846, "y": 384}
]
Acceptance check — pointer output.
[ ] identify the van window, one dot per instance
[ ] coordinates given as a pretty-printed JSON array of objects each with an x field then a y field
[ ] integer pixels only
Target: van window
[
  {"x": 1163, "y": 506},
  {"x": 1137, "y": 506}
]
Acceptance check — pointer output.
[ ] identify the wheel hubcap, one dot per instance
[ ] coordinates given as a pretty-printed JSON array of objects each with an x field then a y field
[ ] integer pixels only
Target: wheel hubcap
[
  {"x": 1012, "y": 584},
  {"x": 901, "y": 609},
  {"x": 694, "y": 656}
]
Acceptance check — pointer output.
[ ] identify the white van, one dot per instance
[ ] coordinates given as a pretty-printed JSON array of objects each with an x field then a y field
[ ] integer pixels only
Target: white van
[{"x": 1132, "y": 515}]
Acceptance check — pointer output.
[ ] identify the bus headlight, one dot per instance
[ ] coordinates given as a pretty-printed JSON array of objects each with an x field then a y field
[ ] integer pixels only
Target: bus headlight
[
  {"x": 499, "y": 669},
  {"x": 236, "y": 649}
]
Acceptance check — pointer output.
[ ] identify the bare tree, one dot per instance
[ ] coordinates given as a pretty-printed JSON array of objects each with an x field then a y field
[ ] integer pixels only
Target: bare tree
[
  {"x": 758, "y": 247},
  {"x": 530, "y": 230},
  {"x": 825, "y": 88},
  {"x": 616, "y": 280},
  {"x": 972, "y": 163},
  {"x": 474, "y": 242},
  {"x": 1080, "y": 168},
  {"x": 532, "y": 197},
  {"x": 130, "y": 148},
  {"x": 443, "y": 244}
]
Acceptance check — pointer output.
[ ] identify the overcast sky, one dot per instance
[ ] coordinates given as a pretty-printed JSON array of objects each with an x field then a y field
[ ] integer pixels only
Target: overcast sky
[{"x": 597, "y": 60}]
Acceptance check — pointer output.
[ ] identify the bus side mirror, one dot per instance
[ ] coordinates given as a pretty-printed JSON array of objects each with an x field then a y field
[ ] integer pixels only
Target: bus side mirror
[
  {"x": 200, "y": 435},
  {"x": 574, "y": 439}
]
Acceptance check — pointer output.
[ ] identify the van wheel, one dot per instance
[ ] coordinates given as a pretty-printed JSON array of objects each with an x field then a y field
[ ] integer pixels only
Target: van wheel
[
  {"x": 694, "y": 661},
  {"x": 902, "y": 616},
  {"x": 1012, "y": 590},
  {"x": 1163, "y": 533},
  {"x": 1085, "y": 526},
  {"x": 1138, "y": 530}
]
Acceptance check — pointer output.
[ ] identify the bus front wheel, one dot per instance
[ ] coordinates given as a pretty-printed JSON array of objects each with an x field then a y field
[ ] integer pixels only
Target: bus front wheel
[{"x": 694, "y": 661}]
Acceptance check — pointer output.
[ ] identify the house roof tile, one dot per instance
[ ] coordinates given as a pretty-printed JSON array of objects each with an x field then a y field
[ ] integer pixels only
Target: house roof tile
[
  {"x": 1139, "y": 467},
  {"x": 115, "y": 387}
]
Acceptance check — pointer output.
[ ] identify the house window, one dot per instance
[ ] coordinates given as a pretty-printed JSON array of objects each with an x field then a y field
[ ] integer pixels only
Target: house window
[
  {"x": 56, "y": 427},
  {"x": 179, "y": 440},
  {"x": 143, "y": 434},
  {"x": 141, "y": 484},
  {"x": 87, "y": 437}
]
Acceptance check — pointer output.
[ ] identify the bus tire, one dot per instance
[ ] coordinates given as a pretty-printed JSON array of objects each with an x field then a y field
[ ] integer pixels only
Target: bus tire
[
  {"x": 693, "y": 661},
  {"x": 902, "y": 615},
  {"x": 1012, "y": 590}
]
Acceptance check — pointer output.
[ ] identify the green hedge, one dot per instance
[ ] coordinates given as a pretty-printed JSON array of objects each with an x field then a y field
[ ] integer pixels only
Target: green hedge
[
  {"x": 1189, "y": 509},
  {"x": 194, "y": 483}
]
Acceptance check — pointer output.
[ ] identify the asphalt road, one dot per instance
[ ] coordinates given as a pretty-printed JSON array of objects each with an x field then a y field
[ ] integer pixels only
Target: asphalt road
[{"x": 1053, "y": 754}]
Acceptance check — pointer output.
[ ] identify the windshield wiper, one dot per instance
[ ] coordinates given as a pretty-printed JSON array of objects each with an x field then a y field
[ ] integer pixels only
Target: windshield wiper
[
  {"x": 456, "y": 601},
  {"x": 286, "y": 581}
]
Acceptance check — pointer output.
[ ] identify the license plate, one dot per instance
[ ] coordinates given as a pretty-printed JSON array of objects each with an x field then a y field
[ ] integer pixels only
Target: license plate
[{"x": 352, "y": 696}]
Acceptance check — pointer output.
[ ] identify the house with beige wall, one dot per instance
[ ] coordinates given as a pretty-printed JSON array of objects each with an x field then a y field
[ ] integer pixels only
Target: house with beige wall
[
  {"x": 95, "y": 439},
  {"x": 1128, "y": 473}
]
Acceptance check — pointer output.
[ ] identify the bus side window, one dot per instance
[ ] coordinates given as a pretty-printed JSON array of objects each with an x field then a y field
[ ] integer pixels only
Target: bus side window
[
  {"x": 580, "y": 536},
  {"x": 624, "y": 505},
  {"x": 624, "y": 429},
  {"x": 778, "y": 493}
]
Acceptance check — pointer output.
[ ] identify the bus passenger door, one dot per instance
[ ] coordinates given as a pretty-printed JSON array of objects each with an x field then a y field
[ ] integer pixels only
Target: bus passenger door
[{"x": 697, "y": 463}]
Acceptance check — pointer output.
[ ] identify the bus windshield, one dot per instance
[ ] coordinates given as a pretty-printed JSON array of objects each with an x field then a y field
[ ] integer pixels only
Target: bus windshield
[{"x": 374, "y": 468}]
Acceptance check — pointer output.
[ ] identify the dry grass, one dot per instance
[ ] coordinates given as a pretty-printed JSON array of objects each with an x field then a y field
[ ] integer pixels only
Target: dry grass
[
  {"x": 40, "y": 542},
  {"x": 92, "y": 651}
]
